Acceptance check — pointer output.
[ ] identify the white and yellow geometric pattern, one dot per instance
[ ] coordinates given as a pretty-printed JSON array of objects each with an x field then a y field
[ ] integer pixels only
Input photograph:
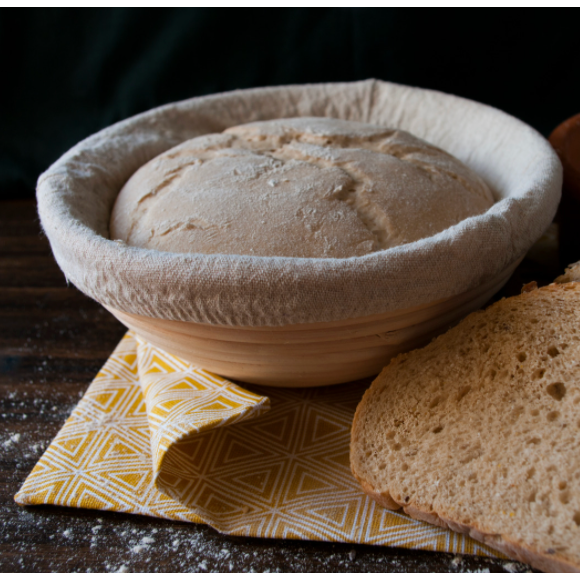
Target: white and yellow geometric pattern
[{"x": 157, "y": 436}]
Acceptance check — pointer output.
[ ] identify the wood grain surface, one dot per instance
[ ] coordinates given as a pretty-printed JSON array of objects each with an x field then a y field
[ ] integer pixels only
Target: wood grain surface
[{"x": 53, "y": 340}]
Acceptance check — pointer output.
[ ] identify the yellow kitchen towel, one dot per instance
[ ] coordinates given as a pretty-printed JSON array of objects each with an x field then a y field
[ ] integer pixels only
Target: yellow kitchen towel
[{"x": 157, "y": 436}]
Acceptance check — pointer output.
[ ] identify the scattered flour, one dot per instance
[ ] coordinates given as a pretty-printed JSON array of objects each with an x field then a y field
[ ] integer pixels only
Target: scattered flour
[
  {"x": 514, "y": 567},
  {"x": 12, "y": 439}
]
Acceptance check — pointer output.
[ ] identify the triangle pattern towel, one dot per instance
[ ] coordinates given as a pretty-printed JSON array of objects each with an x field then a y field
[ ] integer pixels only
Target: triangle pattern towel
[{"x": 156, "y": 436}]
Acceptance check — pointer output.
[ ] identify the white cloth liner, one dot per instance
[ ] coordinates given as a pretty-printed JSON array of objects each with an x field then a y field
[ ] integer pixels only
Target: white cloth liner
[{"x": 76, "y": 194}]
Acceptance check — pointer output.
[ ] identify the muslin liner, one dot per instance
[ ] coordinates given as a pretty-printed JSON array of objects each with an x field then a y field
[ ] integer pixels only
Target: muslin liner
[{"x": 76, "y": 195}]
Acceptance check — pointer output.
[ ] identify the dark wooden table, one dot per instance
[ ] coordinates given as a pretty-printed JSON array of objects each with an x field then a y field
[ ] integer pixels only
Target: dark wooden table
[{"x": 53, "y": 340}]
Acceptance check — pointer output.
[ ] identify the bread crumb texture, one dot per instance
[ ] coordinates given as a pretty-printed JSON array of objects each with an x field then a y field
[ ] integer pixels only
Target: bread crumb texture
[
  {"x": 480, "y": 430},
  {"x": 304, "y": 187}
]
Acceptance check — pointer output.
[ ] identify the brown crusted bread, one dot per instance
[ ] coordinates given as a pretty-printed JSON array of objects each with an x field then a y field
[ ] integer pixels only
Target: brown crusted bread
[
  {"x": 305, "y": 187},
  {"x": 480, "y": 430}
]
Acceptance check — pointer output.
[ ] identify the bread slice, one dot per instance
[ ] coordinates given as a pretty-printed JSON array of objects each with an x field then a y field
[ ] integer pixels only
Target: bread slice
[{"x": 480, "y": 430}]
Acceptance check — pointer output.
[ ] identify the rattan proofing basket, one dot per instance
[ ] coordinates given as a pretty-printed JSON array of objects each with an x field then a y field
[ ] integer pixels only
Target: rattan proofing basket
[{"x": 301, "y": 322}]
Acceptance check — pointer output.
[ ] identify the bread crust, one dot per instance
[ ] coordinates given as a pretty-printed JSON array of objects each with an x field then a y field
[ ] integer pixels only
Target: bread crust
[{"x": 508, "y": 546}]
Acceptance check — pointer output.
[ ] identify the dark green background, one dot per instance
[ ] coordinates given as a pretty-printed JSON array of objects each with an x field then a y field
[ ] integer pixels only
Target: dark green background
[{"x": 68, "y": 72}]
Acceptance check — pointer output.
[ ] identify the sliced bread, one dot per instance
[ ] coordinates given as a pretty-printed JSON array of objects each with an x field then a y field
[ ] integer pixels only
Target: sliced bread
[{"x": 480, "y": 430}]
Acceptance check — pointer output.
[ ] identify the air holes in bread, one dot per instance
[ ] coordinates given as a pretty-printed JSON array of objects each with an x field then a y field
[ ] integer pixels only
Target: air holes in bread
[
  {"x": 564, "y": 497},
  {"x": 556, "y": 391},
  {"x": 534, "y": 441},
  {"x": 534, "y": 412},
  {"x": 462, "y": 392},
  {"x": 438, "y": 429},
  {"x": 538, "y": 374},
  {"x": 552, "y": 415},
  {"x": 522, "y": 356},
  {"x": 553, "y": 351},
  {"x": 576, "y": 518},
  {"x": 435, "y": 402}
]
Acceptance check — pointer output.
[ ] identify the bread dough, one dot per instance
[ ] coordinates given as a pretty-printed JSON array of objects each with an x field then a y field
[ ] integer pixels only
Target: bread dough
[{"x": 306, "y": 187}]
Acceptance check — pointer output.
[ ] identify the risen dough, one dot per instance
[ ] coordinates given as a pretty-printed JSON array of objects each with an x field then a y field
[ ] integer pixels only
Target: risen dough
[{"x": 304, "y": 187}]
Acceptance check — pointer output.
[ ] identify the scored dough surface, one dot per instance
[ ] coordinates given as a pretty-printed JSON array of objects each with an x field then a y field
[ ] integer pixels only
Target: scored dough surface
[{"x": 304, "y": 187}]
